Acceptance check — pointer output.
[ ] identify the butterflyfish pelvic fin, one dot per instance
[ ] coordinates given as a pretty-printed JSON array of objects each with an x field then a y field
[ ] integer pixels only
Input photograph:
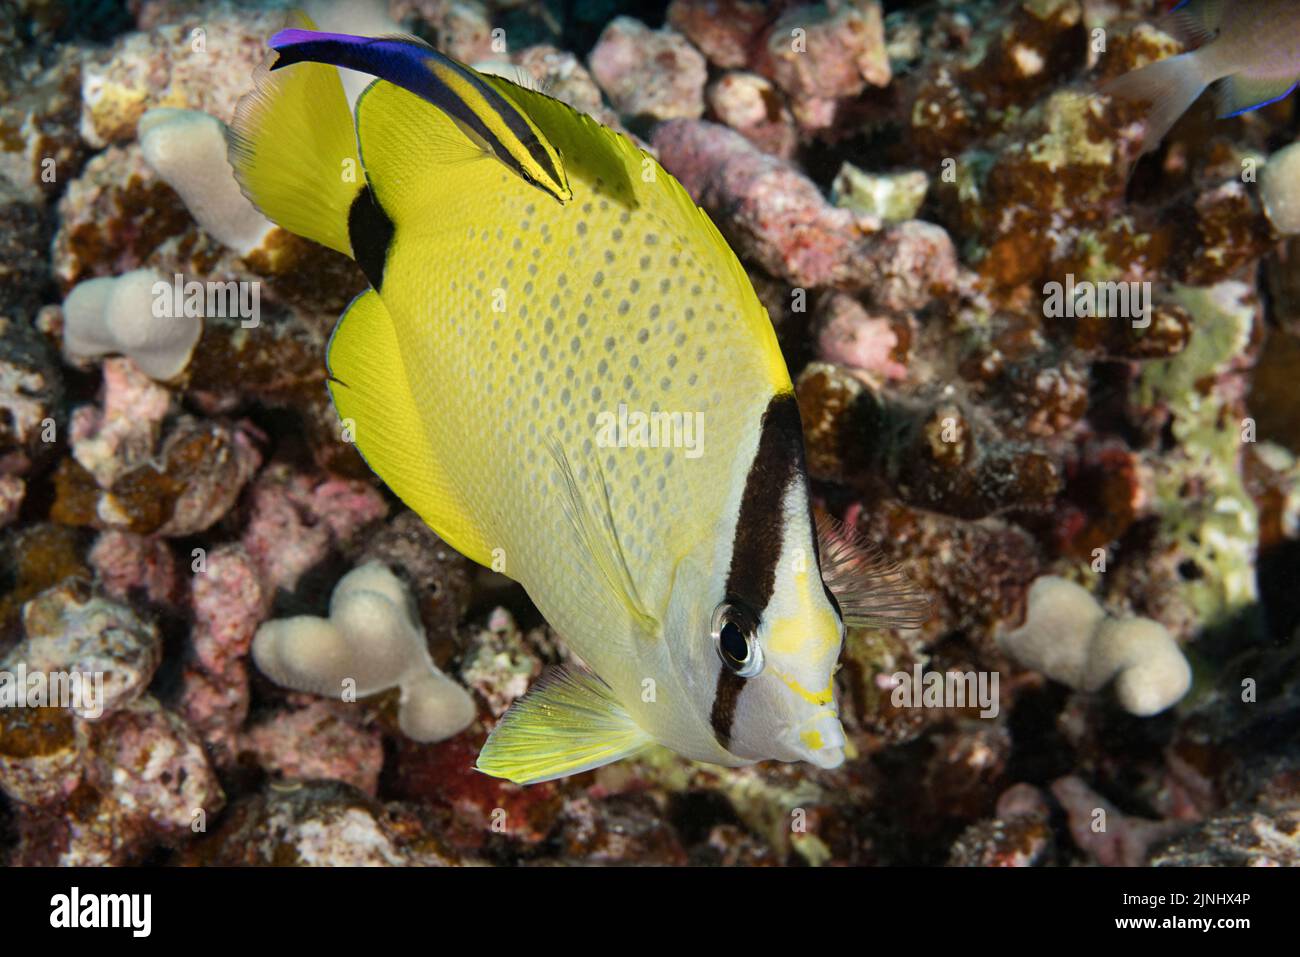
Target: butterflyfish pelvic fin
[
  {"x": 293, "y": 148},
  {"x": 369, "y": 385},
  {"x": 567, "y": 723}
]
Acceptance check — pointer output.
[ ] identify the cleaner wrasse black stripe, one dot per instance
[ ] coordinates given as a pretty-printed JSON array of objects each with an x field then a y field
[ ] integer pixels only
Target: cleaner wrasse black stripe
[{"x": 459, "y": 91}]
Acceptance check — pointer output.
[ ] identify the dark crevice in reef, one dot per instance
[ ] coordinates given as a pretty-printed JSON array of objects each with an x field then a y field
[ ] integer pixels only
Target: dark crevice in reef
[{"x": 1278, "y": 577}]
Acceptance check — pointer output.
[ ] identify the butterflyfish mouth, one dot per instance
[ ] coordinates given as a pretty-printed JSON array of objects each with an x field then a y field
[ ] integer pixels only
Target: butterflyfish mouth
[{"x": 820, "y": 740}]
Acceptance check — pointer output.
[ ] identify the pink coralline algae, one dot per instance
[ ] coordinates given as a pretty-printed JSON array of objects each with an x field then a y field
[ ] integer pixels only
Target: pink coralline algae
[
  {"x": 127, "y": 784},
  {"x": 778, "y": 216},
  {"x": 1101, "y": 830},
  {"x": 648, "y": 73},
  {"x": 228, "y": 603},
  {"x": 296, "y": 519},
  {"x": 110, "y": 438},
  {"x": 820, "y": 54},
  {"x": 130, "y": 566},
  {"x": 726, "y": 31},
  {"x": 850, "y": 336},
  {"x": 318, "y": 742},
  {"x": 172, "y": 65},
  {"x": 137, "y": 467},
  {"x": 751, "y": 106}
]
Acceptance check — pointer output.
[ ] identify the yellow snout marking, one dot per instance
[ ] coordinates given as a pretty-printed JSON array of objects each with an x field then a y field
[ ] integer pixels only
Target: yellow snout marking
[
  {"x": 825, "y": 696},
  {"x": 812, "y": 740},
  {"x": 811, "y": 631}
]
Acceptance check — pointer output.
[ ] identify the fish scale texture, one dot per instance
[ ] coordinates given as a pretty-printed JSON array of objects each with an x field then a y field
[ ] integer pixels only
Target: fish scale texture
[{"x": 522, "y": 321}]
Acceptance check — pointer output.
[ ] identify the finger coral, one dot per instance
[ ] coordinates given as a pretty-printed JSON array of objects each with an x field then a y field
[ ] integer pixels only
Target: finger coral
[
  {"x": 118, "y": 315},
  {"x": 1279, "y": 187},
  {"x": 1069, "y": 637},
  {"x": 370, "y": 643},
  {"x": 187, "y": 148}
]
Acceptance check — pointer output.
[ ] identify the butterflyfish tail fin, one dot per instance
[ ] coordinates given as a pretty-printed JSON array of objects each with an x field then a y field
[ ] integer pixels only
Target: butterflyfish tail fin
[
  {"x": 293, "y": 148},
  {"x": 373, "y": 397}
]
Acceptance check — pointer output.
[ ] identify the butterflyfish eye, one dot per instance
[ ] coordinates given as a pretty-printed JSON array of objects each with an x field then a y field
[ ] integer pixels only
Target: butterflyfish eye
[{"x": 736, "y": 640}]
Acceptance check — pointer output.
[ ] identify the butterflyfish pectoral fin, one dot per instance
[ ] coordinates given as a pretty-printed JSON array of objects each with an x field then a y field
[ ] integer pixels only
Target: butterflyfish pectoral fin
[
  {"x": 567, "y": 723},
  {"x": 869, "y": 589},
  {"x": 591, "y": 517},
  {"x": 371, "y": 392}
]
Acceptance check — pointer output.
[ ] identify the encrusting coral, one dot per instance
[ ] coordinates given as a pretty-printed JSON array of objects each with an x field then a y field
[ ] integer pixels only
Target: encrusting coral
[
  {"x": 371, "y": 642},
  {"x": 1068, "y": 636}
]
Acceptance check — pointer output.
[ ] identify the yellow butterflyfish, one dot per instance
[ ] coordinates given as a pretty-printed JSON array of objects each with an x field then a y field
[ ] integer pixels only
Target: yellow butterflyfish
[{"x": 563, "y": 368}]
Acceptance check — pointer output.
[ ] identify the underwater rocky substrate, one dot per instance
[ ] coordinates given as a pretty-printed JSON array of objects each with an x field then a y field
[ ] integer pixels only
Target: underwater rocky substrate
[{"x": 903, "y": 190}]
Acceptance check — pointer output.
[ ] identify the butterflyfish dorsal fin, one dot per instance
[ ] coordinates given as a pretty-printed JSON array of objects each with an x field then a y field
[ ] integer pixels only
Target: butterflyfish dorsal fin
[{"x": 1197, "y": 20}]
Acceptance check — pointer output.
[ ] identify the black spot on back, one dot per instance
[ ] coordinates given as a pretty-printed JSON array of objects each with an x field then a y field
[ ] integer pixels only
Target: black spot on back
[{"x": 371, "y": 233}]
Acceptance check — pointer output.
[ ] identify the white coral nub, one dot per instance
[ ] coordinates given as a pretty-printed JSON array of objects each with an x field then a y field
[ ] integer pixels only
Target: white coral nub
[
  {"x": 187, "y": 148},
  {"x": 1279, "y": 188},
  {"x": 1068, "y": 637},
  {"x": 119, "y": 314},
  {"x": 371, "y": 642}
]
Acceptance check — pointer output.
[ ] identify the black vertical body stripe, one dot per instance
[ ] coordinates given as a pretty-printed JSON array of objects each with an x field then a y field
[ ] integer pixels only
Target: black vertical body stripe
[
  {"x": 760, "y": 529},
  {"x": 370, "y": 232},
  {"x": 514, "y": 122}
]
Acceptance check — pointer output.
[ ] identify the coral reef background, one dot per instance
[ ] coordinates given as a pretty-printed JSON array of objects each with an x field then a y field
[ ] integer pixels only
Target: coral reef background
[{"x": 904, "y": 183}]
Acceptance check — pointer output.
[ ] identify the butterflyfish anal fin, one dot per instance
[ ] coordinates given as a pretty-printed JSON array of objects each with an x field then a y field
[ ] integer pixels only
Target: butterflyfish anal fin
[
  {"x": 368, "y": 383},
  {"x": 568, "y": 722}
]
